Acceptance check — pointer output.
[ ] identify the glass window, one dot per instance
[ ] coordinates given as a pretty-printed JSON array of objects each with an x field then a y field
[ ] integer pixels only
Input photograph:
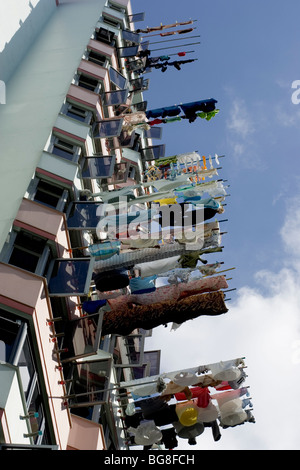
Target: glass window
[
  {"x": 117, "y": 78},
  {"x": 48, "y": 194},
  {"x": 97, "y": 58},
  {"x": 120, "y": 174},
  {"x": 153, "y": 153},
  {"x": 104, "y": 35},
  {"x": 68, "y": 277},
  {"x": 131, "y": 36},
  {"x": 88, "y": 82},
  {"x": 27, "y": 251},
  {"x": 136, "y": 17},
  {"x": 153, "y": 133},
  {"x": 112, "y": 98},
  {"x": 130, "y": 51},
  {"x": 64, "y": 149},
  {"x": 77, "y": 113},
  {"x": 108, "y": 128},
  {"x": 92, "y": 378},
  {"x": 8, "y": 333},
  {"x": 82, "y": 337},
  {"x": 83, "y": 215},
  {"x": 99, "y": 167}
]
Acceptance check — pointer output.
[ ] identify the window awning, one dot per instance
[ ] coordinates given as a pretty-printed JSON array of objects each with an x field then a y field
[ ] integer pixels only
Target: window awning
[
  {"x": 70, "y": 276},
  {"x": 98, "y": 167}
]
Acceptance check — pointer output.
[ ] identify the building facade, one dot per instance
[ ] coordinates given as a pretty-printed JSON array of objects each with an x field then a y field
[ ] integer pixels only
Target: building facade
[{"x": 64, "y": 74}]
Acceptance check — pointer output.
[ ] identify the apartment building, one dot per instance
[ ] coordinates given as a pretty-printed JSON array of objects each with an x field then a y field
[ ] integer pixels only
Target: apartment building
[{"x": 66, "y": 87}]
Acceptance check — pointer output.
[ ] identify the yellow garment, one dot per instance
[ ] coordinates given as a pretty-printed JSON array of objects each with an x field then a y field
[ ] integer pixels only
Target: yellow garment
[{"x": 164, "y": 202}]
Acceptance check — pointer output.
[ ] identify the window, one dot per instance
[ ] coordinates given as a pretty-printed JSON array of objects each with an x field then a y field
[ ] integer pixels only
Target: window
[
  {"x": 27, "y": 251},
  {"x": 106, "y": 36},
  {"x": 89, "y": 83},
  {"x": 136, "y": 17},
  {"x": 70, "y": 277},
  {"x": 110, "y": 21},
  {"x": 153, "y": 153},
  {"x": 130, "y": 51},
  {"x": 108, "y": 128},
  {"x": 77, "y": 113},
  {"x": 117, "y": 78},
  {"x": 65, "y": 149},
  {"x": 114, "y": 98},
  {"x": 16, "y": 349},
  {"x": 120, "y": 174},
  {"x": 48, "y": 193},
  {"x": 131, "y": 172},
  {"x": 153, "y": 133},
  {"x": 98, "y": 167},
  {"x": 84, "y": 215},
  {"x": 98, "y": 59},
  {"x": 130, "y": 36}
]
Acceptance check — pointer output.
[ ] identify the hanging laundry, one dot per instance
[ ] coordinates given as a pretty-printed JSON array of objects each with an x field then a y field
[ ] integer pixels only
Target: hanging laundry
[
  {"x": 208, "y": 414},
  {"x": 201, "y": 393},
  {"x": 105, "y": 249},
  {"x": 171, "y": 292},
  {"x": 187, "y": 413},
  {"x": 181, "y": 31},
  {"x": 190, "y": 109},
  {"x": 188, "y": 432},
  {"x": 124, "y": 321},
  {"x": 166, "y": 111},
  {"x": 169, "y": 439},
  {"x": 111, "y": 280},
  {"x": 161, "y": 27},
  {"x": 155, "y": 267},
  {"x": 232, "y": 413},
  {"x": 223, "y": 397},
  {"x": 138, "y": 285},
  {"x": 146, "y": 433},
  {"x": 93, "y": 306}
]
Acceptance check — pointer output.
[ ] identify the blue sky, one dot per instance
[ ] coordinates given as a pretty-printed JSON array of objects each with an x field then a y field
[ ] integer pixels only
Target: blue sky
[{"x": 247, "y": 60}]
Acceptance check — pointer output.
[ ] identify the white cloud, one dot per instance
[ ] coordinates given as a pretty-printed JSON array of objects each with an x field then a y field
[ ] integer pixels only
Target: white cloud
[{"x": 240, "y": 122}]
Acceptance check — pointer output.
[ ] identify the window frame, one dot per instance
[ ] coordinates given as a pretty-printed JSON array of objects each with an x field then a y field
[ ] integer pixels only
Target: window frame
[
  {"x": 64, "y": 145},
  {"x": 10, "y": 245},
  {"x": 33, "y": 188}
]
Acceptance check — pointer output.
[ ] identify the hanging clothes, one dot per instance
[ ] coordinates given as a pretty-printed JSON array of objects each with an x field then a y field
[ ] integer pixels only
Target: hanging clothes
[
  {"x": 163, "y": 112},
  {"x": 201, "y": 393},
  {"x": 105, "y": 249},
  {"x": 188, "y": 432},
  {"x": 93, "y": 306},
  {"x": 146, "y": 284},
  {"x": 169, "y": 438},
  {"x": 223, "y": 397},
  {"x": 155, "y": 267},
  {"x": 111, "y": 280},
  {"x": 161, "y": 27},
  {"x": 171, "y": 292},
  {"x": 123, "y": 321},
  {"x": 190, "y": 109},
  {"x": 146, "y": 433}
]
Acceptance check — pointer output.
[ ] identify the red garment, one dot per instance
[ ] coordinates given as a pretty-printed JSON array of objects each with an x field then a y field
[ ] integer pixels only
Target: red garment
[
  {"x": 202, "y": 393},
  {"x": 223, "y": 386},
  {"x": 155, "y": 121},
  {"x": 181, "y": 54}
]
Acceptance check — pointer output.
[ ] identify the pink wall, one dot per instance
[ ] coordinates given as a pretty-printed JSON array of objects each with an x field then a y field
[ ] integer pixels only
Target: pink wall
[
  {"x": 44, "y": 221},
  {"x": 86, "y": 97},
  {"x": 85, "y": 435}
]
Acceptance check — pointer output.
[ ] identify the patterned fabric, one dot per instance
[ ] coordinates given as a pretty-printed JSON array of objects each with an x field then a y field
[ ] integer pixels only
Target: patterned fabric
[{"x": 126, "y": 319}]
